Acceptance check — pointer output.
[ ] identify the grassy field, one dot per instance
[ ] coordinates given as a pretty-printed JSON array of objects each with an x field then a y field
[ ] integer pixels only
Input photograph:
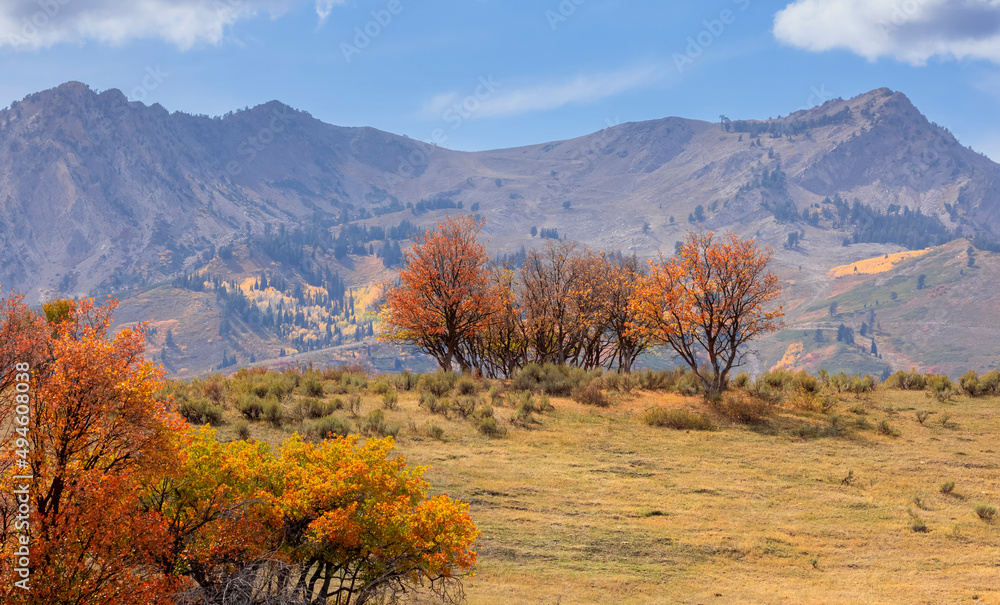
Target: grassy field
[{"x": 585, "y": 504}]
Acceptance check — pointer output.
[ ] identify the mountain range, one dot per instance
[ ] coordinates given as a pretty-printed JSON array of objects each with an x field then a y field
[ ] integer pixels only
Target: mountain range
[{"x": 266, "y": 229}]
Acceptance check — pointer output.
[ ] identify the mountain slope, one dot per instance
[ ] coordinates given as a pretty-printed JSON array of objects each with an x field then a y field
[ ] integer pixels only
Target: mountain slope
[{"x": 100, "y": 195}]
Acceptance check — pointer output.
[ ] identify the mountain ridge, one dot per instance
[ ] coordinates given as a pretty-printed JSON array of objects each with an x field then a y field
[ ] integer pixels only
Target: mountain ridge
[{"x": 103, "y": 195}]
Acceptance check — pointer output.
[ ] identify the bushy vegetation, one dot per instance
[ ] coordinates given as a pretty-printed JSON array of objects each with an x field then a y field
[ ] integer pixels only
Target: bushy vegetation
[{"x": 677, "y": 419}]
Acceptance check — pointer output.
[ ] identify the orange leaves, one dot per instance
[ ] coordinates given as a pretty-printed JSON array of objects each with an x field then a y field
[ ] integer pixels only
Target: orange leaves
[
  {"x": 126, "y": 500},
  {"x": 443, "y": 296},
  {"x": 353, "y": 507},
  {"x": 97, "y": 434},
  {"x": 709, "y": 299}
]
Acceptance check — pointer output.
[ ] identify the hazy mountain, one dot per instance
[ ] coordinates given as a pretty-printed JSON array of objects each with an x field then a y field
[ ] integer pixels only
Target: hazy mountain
[{"x": 103, "y": 195}]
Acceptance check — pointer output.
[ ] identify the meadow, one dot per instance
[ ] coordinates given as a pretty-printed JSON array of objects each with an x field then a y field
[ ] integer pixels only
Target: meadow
[{"x": 791, "y": 488}]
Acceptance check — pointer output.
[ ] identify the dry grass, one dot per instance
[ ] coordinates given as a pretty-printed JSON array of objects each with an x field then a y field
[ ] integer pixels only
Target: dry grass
[{"x": 591, "y": 505}]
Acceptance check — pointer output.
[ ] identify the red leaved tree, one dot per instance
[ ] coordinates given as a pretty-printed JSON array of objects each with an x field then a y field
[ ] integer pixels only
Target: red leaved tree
[
  {"x": 443, "y": 297},
  {"x": 96, "y": 434},
  {"x": 709, "y": 299}
]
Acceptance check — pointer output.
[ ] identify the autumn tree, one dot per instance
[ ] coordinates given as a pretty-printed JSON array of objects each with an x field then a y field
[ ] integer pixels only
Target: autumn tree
[
  {"x": 708, "y": 301},
  {"x": 621, "y": 277},
  {"x": 501, "y": 347},
  {"x": 442, "y": 299},
  {"x": 95, "y": 433},
  {"x": 334, "y": 522},
  {"x": 546, "y": 300}
]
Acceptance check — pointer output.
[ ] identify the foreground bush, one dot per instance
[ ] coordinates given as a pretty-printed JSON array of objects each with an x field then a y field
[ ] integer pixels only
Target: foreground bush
[
  {"x": 332, "y": 521},
  {"x": 677, "y": 419},
  {"x": 558, "y": 380},
  {"x": 592, "y": 395},
  {"x": 743, "y": 407},
  {"x": 974, "y": 385}
]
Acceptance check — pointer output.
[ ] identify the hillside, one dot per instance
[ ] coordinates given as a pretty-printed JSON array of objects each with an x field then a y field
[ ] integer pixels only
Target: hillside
[
  {"x": 828, "y": 496},
  {"x": 105, "y": 196}
]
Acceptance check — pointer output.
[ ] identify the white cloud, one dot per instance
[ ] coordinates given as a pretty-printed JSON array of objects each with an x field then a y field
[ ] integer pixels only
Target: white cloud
[
  {"x": 34, "y": 24},
  {"x": 501, "y": 102},
  {"x": 909, "y": 30},
  {"x": 325, "y": 7}
]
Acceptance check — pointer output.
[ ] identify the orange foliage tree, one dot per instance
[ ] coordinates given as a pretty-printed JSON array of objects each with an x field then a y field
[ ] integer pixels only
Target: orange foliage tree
[
  {"x": 443, "y": 297},
  {"x": 110, "y": 499},
  {"x": 709, "y": 300},
  {"x": 330, "y": 523},
  {"x": 95, "y": 435}
]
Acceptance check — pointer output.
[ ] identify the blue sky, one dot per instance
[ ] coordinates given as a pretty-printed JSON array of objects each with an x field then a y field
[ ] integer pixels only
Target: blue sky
[{"x": 481, "y": 74}]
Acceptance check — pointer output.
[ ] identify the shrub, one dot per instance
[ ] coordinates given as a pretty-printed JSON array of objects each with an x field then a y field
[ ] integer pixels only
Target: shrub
[
  {"x": 409, "y": 380},
  {"x": 199, "y": 411},
  {"x": 313, "y": 388},
  {"x": 490, "y": 427},
  {"x": 214, "y": 389},
  {"x": 433, "y": 404},
  {"x": 466, "y": 386},
  {"x": 439, "y": 383},
  {"x": 466, "y": 405},
  {"x": 908, "y": 381},
  {"x": 434, "y": 431},
  {"x": 316, "y": 408},
  {"x": 986, "y": 512},
  {"x": 858, "y": 408},
  {"x": 496, "y": 394},
  {"x": 972, "y": 385},
  {"x": 860, "y": 385},
  {"x": 522, "y": 414},
  {"x": 376, "y": 425},
  {"x": 558, "y": 380},
  {"x": 357, "y": 380},
  {"x": 390, "y": 399},
  {"x": 918, "y": 525},
  {"x": 947, "y": 487},
  {"x": 806, "y": 383},
  {"x": 250, "y": 405},
  {"x": 676, "y": 419},
  {"x": 884, "y": 428},
  {"x": 741, "y": 381},
  {"x": 354, "y": 404},
  {"x": 743, "y": 407},
  {"x": 328, "y": 427},
  {"x": 922, "y": 416},
  {"x": 765, "y": 393},
  {"x": 940, "y": 387},
  {"x": 990, "y": 382},
  {"x": 278, "y": 385},
  {"x": 242, "y": 428},
  {"x": 592, "y": 395},
  {"x": 777, "y": 379},
  {"x": 623, "y": 383},
  {"x": 688, "y": 383},
  {"x": 654, "y": 381},
  {"x": 380, "y": 388},
  {"x": 272, "y": 411},
  {"x": 544, "y": 405}
]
